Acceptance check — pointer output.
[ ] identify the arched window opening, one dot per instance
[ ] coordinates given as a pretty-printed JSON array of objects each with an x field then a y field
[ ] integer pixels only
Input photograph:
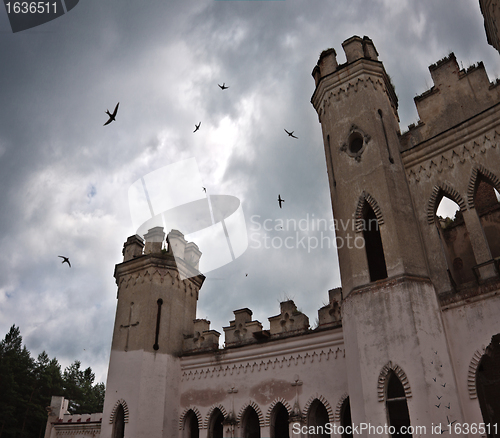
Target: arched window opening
[
  {"x": 279, "y": 422},
  {"x": 486, "y": 201},
  {"x": 318, "y": 419},
  {"x": 488, "y": 387},
  {"x": 455, "y": 241},
  {"x": 345, "y": 418},
  {"x": 397, "y": 406},
  {"x": 215, "y": 425},
  {"x": 373, "y": 245},
  {"x": 191, "y": 426},
  {"x": 250, "y": 424},
  {"x": 119, "y": 422}
]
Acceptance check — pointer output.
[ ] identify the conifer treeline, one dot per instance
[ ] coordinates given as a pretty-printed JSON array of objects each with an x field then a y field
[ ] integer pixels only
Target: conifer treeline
[{"x": 27, "y": 385}]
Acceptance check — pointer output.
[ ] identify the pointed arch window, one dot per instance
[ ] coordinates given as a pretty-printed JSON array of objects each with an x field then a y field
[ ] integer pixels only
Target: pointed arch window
[
  {"x": 373, "y": 244},
  {"x": 119, "y": 422},
  {"x": 216, "y": 424},
  {"x": 279, "y": 422},
  {"x": 317, "y": 417},
  {"x": 250, "y": 423},
  {"x": 345, "y": 418},
  {"x": 397, "y": 405},
  {"x": 488, "y": 387},
  {"x": 191, "y": 425},
  {"x": 487, "y": 204},
  {"x": 455, "y": 240}
]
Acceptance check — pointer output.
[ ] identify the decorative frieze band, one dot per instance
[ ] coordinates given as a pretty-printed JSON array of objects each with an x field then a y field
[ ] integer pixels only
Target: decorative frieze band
[
  {"x": 222, "y": 371},
  {"x": 449, "y": 159}
]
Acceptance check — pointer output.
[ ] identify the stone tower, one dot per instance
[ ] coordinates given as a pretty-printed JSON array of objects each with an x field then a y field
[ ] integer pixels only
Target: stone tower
[
  {"x": 155, "y": 310},
  {"x": 391, "y": 316}
]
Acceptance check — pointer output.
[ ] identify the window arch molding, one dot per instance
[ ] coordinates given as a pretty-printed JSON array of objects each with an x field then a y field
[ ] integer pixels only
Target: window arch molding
[
  {"x": 281, "y": 401},
  {"x": 478, "y": 171},
  {"x": 472, "y": 372},
  {"x": 211, "y": 411},
  {"x": 257, "y": 410},
  {"x": 325, "y": 403},
  {"x": 438, "y": 191},
  {"x": 123, "y": 403},
  {"x": 196, "y": 412},
  {"x": 366, "y": 197},
  {"x": 384, "y": 374},
  {"x": 338, "y": 408}
]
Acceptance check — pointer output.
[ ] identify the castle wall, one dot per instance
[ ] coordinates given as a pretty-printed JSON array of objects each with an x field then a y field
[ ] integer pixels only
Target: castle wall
[
  {"x": 293, "y": 371},
  {"x": 470, "y": 326}
]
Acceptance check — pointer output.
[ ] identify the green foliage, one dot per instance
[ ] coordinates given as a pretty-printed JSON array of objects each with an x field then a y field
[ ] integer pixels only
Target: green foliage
[{"x": 27, "y": 385}]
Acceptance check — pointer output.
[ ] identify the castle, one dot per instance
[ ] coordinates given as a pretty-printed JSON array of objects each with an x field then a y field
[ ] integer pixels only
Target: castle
[{"x": 410, "y": 345}]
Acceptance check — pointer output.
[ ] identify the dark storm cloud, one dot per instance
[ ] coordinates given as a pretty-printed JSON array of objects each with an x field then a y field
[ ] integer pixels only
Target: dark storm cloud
[{"x": 65, "y": 177}]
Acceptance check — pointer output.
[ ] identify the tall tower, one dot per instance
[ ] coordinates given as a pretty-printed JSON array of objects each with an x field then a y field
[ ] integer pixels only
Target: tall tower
[
  {"x": 155, "y": 310},
  {"x": 392, "y": 323}
]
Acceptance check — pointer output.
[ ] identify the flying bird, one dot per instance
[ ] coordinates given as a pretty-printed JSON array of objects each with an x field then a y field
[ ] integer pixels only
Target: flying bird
[
  {"x": 439, "y": 398},
  {"x": 434, "y": 379},
  {"x": 443, "y": 385},
  {"x": 448, "y": 407},
  {"x": 280, "y": 200},
  {"x": 223, "y": 86},
  {"x": 437, "y": 406},
  {"x": 290, "y": 134},
  {"x": 66, "y": 260},
  {"x": 112, "y": 116},
  {"x": 197, "y": 127},
  {"x": 204, "y": 189}
]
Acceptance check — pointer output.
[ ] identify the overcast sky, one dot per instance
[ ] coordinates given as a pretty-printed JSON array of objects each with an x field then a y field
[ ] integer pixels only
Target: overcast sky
[{"x": 65, "y": 178}]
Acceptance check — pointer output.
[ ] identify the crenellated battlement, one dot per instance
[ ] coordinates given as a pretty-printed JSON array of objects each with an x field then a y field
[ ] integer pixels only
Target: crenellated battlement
[
  {"x": 336, "y": 81},
  {"x": 456, "y": 96},
  {"x": 244, "y": 330}
]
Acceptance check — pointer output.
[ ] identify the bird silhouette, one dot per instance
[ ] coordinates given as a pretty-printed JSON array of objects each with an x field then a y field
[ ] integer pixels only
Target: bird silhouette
[
  {"x": 197, "y": 127},
  {"x": 448, "y": 407},
  {"x": 204, "y": 189},
  {"x": 437, "y": 406},
  {"x": 439, "y": 398},
  {"x": 434, "y": 379},
  {"x": 112, "y": 116},
  {"x": 246, "y": 275},
  {"x": 223, "y": 86},
  {"x": 66, "y": 260},
  {"x": 290, "y": 134},
  {"x": 280, "y": 200},
  {"x": 443, "y": 385}
]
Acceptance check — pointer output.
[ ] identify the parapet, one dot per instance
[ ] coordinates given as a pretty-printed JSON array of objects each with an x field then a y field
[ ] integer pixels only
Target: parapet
[
  {"x": 457, "y": 95},
  {"x": 289, "y": 321},
  {"x": 154, "y": 239},
  {"x": 330, "y": 315},
  {"x": 355, "y": 48},
  {"x": 242, "y": 329},
  {"x": 132, "y": 248},
  {"x": 203, "y": 338}
]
